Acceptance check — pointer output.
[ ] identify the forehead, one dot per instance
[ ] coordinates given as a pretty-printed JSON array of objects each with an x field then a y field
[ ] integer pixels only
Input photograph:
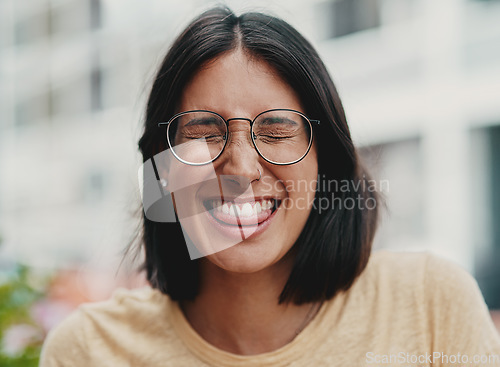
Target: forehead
[{"x": 236, "y": 84}]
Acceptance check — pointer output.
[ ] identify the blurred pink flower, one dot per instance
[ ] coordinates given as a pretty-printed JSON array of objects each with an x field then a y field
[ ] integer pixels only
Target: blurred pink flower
[
  {"x": 17, "y": 337},
  {"x": 48, "y": 313}
]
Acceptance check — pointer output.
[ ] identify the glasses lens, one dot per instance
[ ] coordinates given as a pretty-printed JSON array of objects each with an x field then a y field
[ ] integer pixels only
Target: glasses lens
[
  {"x": 197, "y": 137},
  {"x": 282, "y": 136}
]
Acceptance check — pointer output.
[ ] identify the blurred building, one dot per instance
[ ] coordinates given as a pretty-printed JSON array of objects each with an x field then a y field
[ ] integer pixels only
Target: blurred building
[{"x": 420, "y": 81}]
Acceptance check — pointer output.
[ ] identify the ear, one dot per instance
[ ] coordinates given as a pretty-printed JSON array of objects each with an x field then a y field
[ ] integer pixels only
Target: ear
[{"x": 161, "y": 163}]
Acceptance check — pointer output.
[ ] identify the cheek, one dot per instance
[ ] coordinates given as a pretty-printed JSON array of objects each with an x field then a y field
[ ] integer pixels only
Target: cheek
[
  {"x": 182, "y": 176},
  {"x": 184, "y": 183}
]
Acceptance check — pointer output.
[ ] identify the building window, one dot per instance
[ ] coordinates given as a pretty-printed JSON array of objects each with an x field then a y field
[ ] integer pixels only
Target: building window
[
  {"x": 486, "y": 198},
  {"x": 494, "y": 143},
  {"x": 343, "y": 17},
  {"x": 70, "y": 18},
  {"x": 32, "y": 28},
  {"x": 96, "y": 89},
  {"x": 95, "y": 14}
]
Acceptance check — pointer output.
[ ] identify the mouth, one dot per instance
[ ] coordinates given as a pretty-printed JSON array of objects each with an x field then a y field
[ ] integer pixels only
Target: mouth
[{"x": 242, "y": 213}]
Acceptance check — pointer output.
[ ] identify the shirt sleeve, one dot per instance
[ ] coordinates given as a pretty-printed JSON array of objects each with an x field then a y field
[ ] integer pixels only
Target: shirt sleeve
[
  {"x": 66, "y": 345},
  {"x": 459, "y": 320}
]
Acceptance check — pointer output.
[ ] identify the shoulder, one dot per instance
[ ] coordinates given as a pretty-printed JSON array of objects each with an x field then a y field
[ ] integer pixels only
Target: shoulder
[
  {"x": 417, "y": 285},
  {"x": 65, "y": 343},
  {"x": 416, "y": 266},
  {"x": 434, "y": 274},
  {"x": 125, "y": 311},
  {"x": 385, "y": 262},
  {"x": 442, "y": 296},
  {"x": 142, "y": 303},
  {"x": 395, "y": 272},
  {"x": 95, "y": 325},
  {"x": 422, "y": 274}
]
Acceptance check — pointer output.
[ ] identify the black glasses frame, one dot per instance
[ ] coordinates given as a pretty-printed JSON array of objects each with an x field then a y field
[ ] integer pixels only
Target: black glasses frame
[{"x": 168, "y": 124}]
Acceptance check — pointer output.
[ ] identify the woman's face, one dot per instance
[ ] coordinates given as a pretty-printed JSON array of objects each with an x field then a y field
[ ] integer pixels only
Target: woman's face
[{"x": 236, "y": 86}]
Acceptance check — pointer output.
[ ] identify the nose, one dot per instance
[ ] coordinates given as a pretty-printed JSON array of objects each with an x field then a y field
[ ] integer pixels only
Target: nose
[{"x": 240, "y": 161}]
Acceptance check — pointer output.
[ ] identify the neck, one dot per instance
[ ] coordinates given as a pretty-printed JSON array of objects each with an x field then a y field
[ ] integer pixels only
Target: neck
[{"x": 239, "y": 313}]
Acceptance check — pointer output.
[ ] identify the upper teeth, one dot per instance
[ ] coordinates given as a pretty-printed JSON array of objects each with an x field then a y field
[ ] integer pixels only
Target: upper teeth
[{"x": 243, "y": 210}]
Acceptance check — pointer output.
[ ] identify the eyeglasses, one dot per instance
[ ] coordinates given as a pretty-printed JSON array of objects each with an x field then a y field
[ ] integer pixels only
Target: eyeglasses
[{"x": 280, "y": 136}]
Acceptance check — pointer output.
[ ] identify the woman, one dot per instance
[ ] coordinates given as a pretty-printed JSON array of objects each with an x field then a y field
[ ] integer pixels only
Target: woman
[{"x": 262, "y": 269}]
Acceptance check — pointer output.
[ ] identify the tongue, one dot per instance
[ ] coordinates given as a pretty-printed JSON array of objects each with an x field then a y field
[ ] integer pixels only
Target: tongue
[{"x": 251, "y": 220}]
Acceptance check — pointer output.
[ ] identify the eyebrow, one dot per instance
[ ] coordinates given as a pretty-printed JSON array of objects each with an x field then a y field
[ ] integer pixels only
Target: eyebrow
[
  {"x": 202, "y": 121},
  {"x": 277, "y": 120}
]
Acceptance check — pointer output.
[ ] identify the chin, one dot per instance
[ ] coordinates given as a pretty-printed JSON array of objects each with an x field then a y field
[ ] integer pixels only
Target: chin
[{"x": 248, "y": 258}]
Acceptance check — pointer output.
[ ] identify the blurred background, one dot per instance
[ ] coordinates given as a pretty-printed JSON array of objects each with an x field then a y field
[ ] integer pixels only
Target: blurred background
[{"x": 420, "y": 82}]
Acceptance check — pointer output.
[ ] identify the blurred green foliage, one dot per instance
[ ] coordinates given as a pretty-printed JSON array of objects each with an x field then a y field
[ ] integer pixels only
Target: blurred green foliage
[{"x": 17, "y": 296}]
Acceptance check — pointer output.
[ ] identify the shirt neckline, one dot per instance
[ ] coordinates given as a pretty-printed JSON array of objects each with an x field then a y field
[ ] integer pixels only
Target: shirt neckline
[{"x": 298, "y": 348}]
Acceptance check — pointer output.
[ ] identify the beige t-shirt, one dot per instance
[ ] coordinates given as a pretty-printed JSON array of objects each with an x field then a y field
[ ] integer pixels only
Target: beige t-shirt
[{"x": 405, "y": 309}]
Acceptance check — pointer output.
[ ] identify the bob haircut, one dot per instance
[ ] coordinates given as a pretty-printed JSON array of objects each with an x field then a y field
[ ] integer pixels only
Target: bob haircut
[{"x": 335, "y": 243}]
